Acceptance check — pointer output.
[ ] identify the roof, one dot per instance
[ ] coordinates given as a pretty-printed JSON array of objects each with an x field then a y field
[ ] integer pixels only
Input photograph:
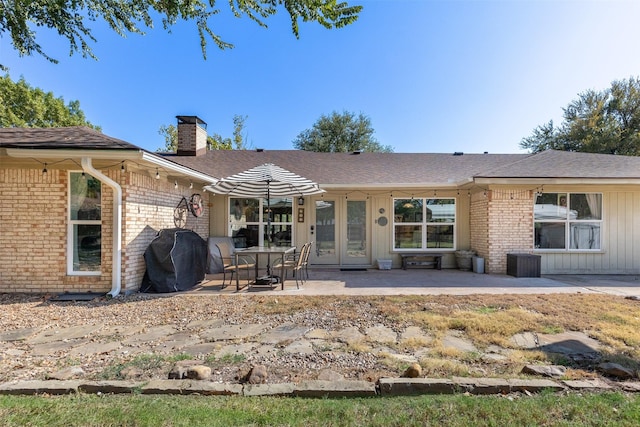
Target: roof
[
  {"x": 364, "y": 169},
  {"x": 566, "y": 164},
  {"x": 72, "y": 137},
  {"x": 351, "y": 169}
]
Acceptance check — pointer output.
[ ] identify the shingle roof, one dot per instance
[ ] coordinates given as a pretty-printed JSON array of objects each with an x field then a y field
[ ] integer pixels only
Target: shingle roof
[
  {"x": 364, "y": 169},
  {"x": 73, "y": 137},
  {"x": 564, "y": 164},
  {"x": 357, "y": 169}
]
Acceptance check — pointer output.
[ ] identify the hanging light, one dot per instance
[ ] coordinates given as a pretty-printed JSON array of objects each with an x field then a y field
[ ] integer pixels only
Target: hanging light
[
  {"x": 122, "y": 167},
  {"x": 44, "y": 171},
  {"x": 157, "y": 174},
  {"x": 83, "y": 175},
  {"x": 175, "y": 184},
  {"x": 190, "y": 185}
]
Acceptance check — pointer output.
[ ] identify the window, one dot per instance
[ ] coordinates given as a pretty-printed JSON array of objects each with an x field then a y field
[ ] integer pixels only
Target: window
[
  {"x": 423, "y": 224},
  {"x": 84, "y": 235},
  {"x": 248, "y": 216},
  {"x": 568, "y": 221}
]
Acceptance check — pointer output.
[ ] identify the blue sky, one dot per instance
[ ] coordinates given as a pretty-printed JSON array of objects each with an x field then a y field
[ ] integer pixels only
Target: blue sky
[{"x": 433, "y": 76}]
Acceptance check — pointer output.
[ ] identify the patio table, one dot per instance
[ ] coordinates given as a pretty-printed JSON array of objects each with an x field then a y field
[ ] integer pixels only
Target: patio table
[{"x": 280, "y": 251}]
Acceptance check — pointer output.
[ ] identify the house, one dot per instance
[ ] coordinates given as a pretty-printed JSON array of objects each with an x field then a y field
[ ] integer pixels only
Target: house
[{"x": 62, "y": 231}]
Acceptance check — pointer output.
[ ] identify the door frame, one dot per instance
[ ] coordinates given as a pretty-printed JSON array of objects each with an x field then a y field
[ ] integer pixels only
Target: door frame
[{"x": 340, "y": 256}]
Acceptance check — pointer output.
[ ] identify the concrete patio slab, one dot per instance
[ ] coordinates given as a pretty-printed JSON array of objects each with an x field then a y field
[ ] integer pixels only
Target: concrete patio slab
[{"x": 333, "y": 281}]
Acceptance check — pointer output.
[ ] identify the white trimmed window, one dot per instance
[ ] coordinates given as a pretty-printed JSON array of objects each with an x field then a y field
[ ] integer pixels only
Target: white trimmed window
[
  {"x": 84, "y": 233},
  {"x": 247, "y": 216},
  {"x": 568, "y": 221},
  {"x": 424, "y": 224}
]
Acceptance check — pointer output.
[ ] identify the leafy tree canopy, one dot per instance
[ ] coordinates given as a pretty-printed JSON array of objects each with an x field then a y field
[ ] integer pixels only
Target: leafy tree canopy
[
  {"x": 214, "y": 142},
  {"x": 597, "y": 122},
  {"x": 24, "y": 106},
  {"x": 340, "y": 133},
  {"x": 71, "y": 18}
]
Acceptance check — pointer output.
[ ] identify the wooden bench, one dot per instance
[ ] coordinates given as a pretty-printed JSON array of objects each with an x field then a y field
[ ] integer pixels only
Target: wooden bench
[{"x": 418, "y": 260}]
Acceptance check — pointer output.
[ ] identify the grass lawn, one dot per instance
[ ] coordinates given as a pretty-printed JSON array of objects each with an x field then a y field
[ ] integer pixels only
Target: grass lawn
[{"x": 546, "y": 409}]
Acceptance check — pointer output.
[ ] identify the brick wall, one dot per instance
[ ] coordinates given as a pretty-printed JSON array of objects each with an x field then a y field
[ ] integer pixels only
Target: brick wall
[
  {"x": 149, "y": 207},
  {"x": 509, "y": 226},
  {"x": 33, "y": 234},
  {"x": 33, "y": 229},
  {"x": 479, "y": 224}
]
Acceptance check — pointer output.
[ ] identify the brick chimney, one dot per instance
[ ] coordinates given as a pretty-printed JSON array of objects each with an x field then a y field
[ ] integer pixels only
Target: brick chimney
[{"x": 192, "y": 136}]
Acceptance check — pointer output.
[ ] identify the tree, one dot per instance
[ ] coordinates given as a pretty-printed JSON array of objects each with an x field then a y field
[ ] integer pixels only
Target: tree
[
  {"x": 69, "y": 19},
  {"x": 340, "y": 133},
  {"x": 214, "y": 142},
  {"x": 597, "y": 122},
  {"x": 24, "y": 106}
]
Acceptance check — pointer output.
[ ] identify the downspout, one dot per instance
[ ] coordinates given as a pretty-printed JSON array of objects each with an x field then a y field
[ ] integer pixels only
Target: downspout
[{"x": 116, "y": 269}]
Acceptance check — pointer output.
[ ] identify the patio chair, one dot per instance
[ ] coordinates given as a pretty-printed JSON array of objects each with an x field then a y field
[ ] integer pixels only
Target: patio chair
[
  {"x": 245, "y": 262},
  {"x": 295, "y": 263},
  {"x": 305, "y": 262}
]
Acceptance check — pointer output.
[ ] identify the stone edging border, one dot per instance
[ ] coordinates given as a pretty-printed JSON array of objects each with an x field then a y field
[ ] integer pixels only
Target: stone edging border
[{"x": 322, "y": 389}]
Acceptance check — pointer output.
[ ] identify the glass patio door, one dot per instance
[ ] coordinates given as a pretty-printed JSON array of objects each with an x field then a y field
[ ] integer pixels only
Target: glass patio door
[
  {"x": 325, "y": 249},
  {"x": 355, "y": 244},
  {"x": 340, "y": 232}
]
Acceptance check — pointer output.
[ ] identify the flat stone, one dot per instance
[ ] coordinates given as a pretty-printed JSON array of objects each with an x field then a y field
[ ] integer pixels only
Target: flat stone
[
  {"x": 40, "y": 387},
  {"x": 285, "y": 333},
  {"x": 54, "y": 347},
  {"x": 415, "y": 333},
  {"x": 381, "y": 334},
  {"x": 119, "y": 330},
  {"x": 616, "y": 370},
  {"x": 63, "y": 334},
  {"x": 350, "y": 335},
  {"x": 534, "y": 386},
  {"x": 553, "y": 371},
  {"x": 205, "y": 324},
  {"x": 483, "y": 385},
  {"x": 279, "y": 389},
  {"x": 527, "y": 340},
  {"x": 235, "y": 349},
  {"x": 178, "y": 341},
  {"x": 320, "y": 334},
  {"x": 300, "y": 347},
  {"x": 595, "y": 384},
  {"x": 332, "y": 389},
  {"x": 452, "y": 340},
  {"x": 17, "y": 334},
  {"x": 155, "y": 333},
  {"x": 111, "y": 387},
  {"x": 630, "y": 386},
  {"x": 94, "y": 348},
  {"x": 191, "y": 387},
  {"x": 570, "y": 342},
  {"x": 233, "y": 332},
  {"x": 200, "y": 349},
  {"x": 67, "y": 373},
  {"x": 415, "y": 386}
]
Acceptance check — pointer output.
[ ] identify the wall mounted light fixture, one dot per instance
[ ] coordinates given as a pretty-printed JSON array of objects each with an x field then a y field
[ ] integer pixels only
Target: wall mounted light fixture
[{"x": 300, "y": 201}]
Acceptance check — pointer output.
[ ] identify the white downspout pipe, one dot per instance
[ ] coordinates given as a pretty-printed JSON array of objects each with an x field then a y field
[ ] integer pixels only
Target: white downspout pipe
[{"x": 116, "y": 269}]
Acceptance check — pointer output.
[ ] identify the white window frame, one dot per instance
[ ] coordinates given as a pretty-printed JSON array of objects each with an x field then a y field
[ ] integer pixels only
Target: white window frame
[
  {"x": 70, "y": 233},
  {"x": 567, "y": 221},
  {"x": 262, "y": 220},
  {"x": 424, "y": 224}
]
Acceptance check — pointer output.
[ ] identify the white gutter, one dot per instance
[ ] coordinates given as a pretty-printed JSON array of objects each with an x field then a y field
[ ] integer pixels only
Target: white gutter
[{"x": 116, "y": 268}]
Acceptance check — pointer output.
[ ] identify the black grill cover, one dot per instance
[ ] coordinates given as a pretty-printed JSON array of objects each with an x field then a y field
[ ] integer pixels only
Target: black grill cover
[{"x": 176, "y": 260}]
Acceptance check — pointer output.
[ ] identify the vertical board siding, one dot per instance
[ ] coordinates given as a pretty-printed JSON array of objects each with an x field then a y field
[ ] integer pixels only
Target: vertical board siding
[{"x": 620, "y": 236}]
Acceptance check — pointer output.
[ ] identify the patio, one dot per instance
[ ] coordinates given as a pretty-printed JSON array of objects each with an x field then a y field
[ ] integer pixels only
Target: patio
[{"x": 326, "y": 281}]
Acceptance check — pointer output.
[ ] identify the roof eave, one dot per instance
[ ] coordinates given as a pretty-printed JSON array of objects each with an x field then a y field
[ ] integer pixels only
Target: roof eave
[{"x": 112, "y": 154}]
